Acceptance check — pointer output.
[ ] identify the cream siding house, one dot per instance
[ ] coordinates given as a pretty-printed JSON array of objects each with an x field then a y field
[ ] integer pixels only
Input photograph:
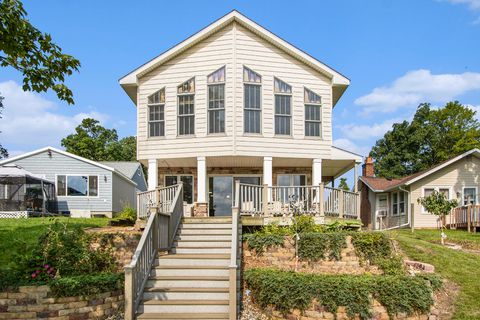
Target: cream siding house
[
  {"x": 393, "y": 203},
  {"x": 236, "y": 102}
]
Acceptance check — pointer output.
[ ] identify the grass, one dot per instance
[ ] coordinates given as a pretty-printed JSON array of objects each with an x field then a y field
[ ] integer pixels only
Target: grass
[
  {"x": 466, "y": 240},
  {"x": 459, "y": 267},
  {"x": 16, "y": 231}
]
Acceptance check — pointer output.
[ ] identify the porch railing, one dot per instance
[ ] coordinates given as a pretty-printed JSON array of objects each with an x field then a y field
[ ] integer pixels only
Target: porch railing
[
  {"x": 158, "y": 235},
  {"x": 313, "y": 200},
  {"x": 465, "y": 217},
  {"x": 160, "y": 197}
]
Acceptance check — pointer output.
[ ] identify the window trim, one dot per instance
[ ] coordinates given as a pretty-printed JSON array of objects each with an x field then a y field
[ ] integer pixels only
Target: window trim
[
  {"x": 157, "y": 121},
  {"x": 463, "y": 194},
  {"x": 224, "y": 107},
  {"x": 253, "y": 109},
  {"x": 397, "y": 204},
  {"x": 179, "y": 179},
  {"x": 286, "y": 94},
  {"x": 320, "y": 105},
  {"x": 77, "y": 175},
  {"x": 437, "y": 188}
]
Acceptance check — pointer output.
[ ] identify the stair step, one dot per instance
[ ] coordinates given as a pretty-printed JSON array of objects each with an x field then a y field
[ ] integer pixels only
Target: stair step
[
  {"x": 203, "y": 237},
  {"x": 186, "y": 289},
  {"x": 185, "y": 278},
  {"x": 205, "y": 226},
  {"x": 195, "y": 256},
  {"x": 197, "y": 262},
  {"x": 185, "y": 302},
  {"x": 207, "y": 220},
  {"x": 194, "y": 250},
  {"x": 179, "y": 294},
  {"x": 183, "y": 282},
  {"x": 180, "y": 271},
  {"x": 208, "y": 231},
  {"x": 196, "y": 306},
  {"x": 202, "y": 244},
  {"x": 195, "y": 315},
  {"x": 191, "y": 267}
]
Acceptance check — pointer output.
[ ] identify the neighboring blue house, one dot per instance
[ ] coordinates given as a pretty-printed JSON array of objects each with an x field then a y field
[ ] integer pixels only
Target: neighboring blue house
[{"x": 83, "y": 187}]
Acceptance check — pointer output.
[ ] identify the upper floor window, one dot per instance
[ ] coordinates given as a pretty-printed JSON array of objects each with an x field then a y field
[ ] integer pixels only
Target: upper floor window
[
  {"x": 186, "y": 107},
  {"x": 252, "y": 101},
  {"x": 313, "y": 114},
  {"x": 156, "y": 114},
  {"x": 283, "y": 107},
  {"x": 216, "y": 101}
]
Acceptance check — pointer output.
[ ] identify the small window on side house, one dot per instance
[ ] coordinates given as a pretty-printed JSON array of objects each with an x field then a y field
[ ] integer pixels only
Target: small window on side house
[{"x": 156, "y": 114}]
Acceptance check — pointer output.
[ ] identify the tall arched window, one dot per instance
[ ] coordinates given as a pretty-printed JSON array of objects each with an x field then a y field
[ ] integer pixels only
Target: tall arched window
[
  {"x": 252, "y": 101},
  {"x": 283, "y": 107},
  {"x": 216, "y": 101},
  {"x": 156, "y": 114},
  {"x": 186, "y": 107},
  {"x": 313, "y": 114}
]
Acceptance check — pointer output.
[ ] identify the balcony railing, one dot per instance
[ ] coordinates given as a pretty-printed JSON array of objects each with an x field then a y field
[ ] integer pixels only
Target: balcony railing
[
  {"x": 465, "y": 217},
  {"x": 285, "y": 201}
]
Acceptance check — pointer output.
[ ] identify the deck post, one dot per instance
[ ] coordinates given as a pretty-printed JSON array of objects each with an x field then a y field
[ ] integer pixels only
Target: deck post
[
  {"x": 340, "y": 203},
  {"x": 265, "y": 199},
  {"x": 321, "y": 191},
  {"x": 469, "y": 216},
  {"x": 129, "y": 303}
]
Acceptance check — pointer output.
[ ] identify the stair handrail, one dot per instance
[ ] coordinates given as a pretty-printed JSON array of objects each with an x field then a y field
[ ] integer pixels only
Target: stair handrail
[
  {"x": 234, "y": 255},
  {"x": 153, "y": 237}
]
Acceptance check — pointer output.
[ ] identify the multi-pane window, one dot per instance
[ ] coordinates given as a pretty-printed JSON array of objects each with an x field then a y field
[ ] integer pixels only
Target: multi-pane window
[
  {"x": 398, "y": 203},
  {"x": 156, "y": 114},
  {"x": 313, "y": 118},
  {"x": 429, "y": 190},
  {"x": 77, "y": 185},
  {"x": 469, "y": 195},
  {"x": 252, "y": 101},
  {"x": 216, "y": 101},
  {"x": 283, "y": 107},
  {"x": 187, "y": 186},
  {"x": 186, "y": 107}
]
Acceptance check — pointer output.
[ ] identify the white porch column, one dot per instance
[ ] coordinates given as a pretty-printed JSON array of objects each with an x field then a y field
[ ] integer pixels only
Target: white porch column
[
  {"x": 355, "y": 177},
  {"x": 201, "y": 179},
  {"x": 152, "y": 174},
  {"x": 316, "y": 172},
  {"x": 267, "y": 171}
]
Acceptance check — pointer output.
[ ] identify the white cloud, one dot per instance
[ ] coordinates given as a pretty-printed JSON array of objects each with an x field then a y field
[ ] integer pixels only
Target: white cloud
[
  {"x": 473, "y": 5},
  {"x": 418, "y": 86},
  {"x": 30, "y": 121},
  {"x": 363, "y": 132},
  {"x": 348, "y": 145}
]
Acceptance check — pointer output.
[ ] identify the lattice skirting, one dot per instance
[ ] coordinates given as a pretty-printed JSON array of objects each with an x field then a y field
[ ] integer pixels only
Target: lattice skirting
[{"x": 13, "y": 214}]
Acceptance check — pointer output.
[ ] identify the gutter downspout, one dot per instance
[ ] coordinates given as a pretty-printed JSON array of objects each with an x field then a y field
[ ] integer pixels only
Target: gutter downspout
[{"x": 408, "y": 213}]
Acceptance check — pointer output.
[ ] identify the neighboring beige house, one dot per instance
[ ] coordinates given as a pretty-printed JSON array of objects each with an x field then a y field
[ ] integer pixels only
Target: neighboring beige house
[
  {"x": 236, "y": 102},
  {"x": 393, "y": 203}
]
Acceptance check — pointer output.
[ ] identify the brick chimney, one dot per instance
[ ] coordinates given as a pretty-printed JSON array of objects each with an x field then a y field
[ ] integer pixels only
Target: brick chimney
[{"x": 368, "y": 169}]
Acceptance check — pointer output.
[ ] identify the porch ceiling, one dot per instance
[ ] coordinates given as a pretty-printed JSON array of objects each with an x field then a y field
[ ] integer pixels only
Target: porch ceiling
[{"x": 330, "y": 167}]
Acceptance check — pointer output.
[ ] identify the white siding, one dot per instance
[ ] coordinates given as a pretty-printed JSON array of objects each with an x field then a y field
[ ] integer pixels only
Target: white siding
[
  {"x": 234, "y": 47},
  {"x": 463, "y": 173}
]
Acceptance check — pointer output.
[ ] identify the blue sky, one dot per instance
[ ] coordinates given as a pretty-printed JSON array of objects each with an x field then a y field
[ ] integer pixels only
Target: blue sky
[{"x": 396, "y": 53}]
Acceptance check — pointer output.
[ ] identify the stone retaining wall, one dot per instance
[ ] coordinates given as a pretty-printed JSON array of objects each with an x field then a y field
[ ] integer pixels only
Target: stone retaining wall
[
  {"x": 32, "y": 302},
  {"x": 284, "y": 258}
]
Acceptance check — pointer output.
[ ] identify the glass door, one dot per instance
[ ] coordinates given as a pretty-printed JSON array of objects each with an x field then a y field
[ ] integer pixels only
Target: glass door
[{"x": 220, "y": 195}]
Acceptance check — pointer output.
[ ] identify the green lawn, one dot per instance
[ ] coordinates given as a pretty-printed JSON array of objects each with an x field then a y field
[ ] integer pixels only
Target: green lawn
[
  {"x": 465, "y": 239},
  {"x": 15, "y": 231},
  {"x": 459, "y": 267}
]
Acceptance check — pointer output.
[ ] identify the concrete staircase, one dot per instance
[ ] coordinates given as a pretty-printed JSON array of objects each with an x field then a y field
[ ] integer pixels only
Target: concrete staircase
[{"x": 192, "y": 280}]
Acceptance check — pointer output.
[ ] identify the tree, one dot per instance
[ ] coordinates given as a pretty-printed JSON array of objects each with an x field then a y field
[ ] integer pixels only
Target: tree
[
  {"x": 3, "y": 151},
  {"x": 438, "y": 204},
  {"x": 28, "y": 50},
  {"x": 343, "y": 184},
  {"x": 94, "y": 142},
  {"x": 434, "y": 135}
]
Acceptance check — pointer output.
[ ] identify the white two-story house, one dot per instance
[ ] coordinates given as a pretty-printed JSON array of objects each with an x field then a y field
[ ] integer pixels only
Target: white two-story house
[{"x": 236, "y": 102}]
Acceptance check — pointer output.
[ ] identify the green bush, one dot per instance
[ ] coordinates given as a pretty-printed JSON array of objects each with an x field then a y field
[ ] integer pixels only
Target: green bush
[
  {"x": 260, "y": 241},
  {"x": 86, "y": 285},
  {"x": 62, "y": 251},
  {"x": 287, "y": 290},
  {"x": 318, "y": 246},
  {"x": 127, "y": 217}
]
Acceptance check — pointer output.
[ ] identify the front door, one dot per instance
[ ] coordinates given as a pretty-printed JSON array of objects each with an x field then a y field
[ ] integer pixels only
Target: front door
[{"x": 221, "y": 193}]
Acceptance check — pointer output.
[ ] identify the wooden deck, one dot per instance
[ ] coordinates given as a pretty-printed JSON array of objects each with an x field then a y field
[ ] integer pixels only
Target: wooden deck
[{"x": 465, "y": 217}]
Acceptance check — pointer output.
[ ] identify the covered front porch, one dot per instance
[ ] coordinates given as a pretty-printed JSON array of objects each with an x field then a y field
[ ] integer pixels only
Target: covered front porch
[{"x": 267, "y": 186}]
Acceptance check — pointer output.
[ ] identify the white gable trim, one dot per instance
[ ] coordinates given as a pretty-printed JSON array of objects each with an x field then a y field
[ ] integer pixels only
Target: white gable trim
[
  {"x": 131, "y": 79},
  {"x": 443, "y": 165},
  {"x": 67, "y": 154}
]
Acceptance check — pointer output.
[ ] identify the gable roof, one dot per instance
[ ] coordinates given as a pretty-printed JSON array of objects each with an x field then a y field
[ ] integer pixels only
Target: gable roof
[
  {"x": 128, "y": 168},
  {"x": 68, "y": 154},
  {"x": 129, "y": 82},
  {"x": 382, "y": 184}
]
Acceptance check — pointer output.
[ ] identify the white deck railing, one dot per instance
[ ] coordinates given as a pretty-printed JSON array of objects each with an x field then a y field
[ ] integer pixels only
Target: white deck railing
[
  {"x": 158, "y": 235},
  {"x": 160, "y": 197},
  {"x": 283, "y": 201}
]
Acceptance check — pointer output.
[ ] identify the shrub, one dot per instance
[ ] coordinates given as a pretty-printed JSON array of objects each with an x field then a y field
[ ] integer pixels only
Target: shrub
[
  {"x": 126, "y": 217},
  {"x": 286, "y": 290},
  {"x": 86, "y": 285},
  {"x": 260, "y": 241},
  {"x": 315, "y": 246}
]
